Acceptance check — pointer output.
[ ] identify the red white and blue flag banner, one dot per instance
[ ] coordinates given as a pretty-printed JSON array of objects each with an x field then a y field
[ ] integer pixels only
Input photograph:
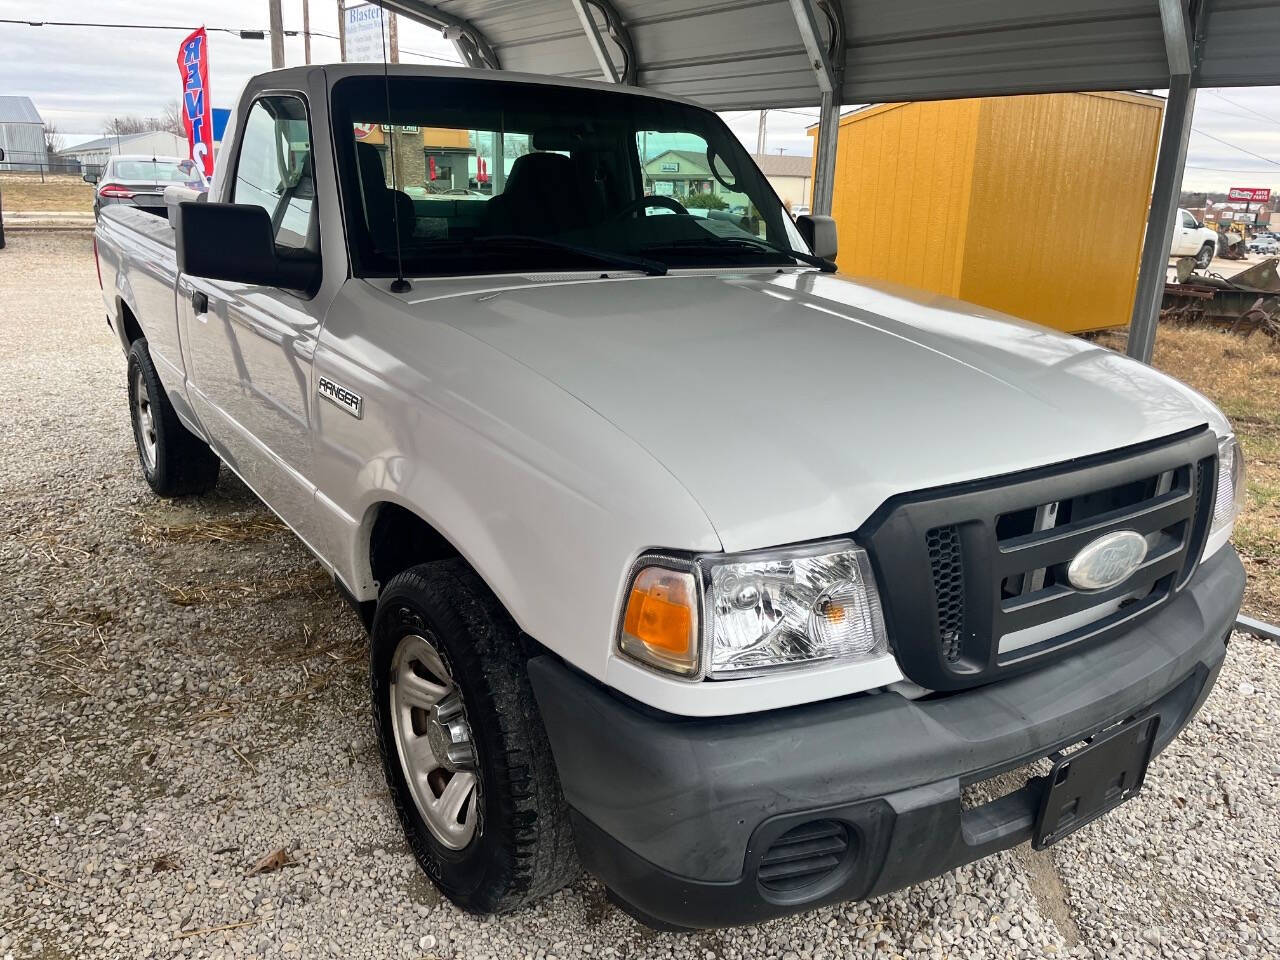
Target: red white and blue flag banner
[{"x": 197, "y": 114}]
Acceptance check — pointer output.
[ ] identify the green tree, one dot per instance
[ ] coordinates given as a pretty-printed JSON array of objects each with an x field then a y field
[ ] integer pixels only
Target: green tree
[{"x": 704, "y": 201}]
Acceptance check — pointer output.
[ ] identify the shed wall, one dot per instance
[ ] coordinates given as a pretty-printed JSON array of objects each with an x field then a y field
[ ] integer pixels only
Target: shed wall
[
  {"x": 1034, "y": 205},
  {"x": 903, "y": 173},
  {"x": 1061, "y": 186}
]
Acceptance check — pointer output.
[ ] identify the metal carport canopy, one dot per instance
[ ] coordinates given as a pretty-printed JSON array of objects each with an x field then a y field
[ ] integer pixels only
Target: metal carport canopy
[
  {"x": 753, "y": 54},
  {"x": 748, "y": 54}
]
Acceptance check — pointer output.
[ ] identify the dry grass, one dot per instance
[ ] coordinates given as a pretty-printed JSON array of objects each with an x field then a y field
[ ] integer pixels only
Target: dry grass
[
  {"x": 235, "y": 529},
  {"x": 1242, "y": 376},
  {"x": 264, "y": 589},
  {"x": 24, "y": 192}
]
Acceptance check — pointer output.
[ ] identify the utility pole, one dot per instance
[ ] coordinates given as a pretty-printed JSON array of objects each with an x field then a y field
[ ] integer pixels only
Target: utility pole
[
  {"x": 762, "y": 136},
  {"x": 393, "y": 40},
  {"x": 277, "y": 34},
  {"x": 306, "y": 31},
  {"x": 342, "y": 31}
]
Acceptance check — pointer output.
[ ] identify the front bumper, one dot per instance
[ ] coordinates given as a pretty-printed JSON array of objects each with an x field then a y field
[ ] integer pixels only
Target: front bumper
[{"x": 675, "y": 814}]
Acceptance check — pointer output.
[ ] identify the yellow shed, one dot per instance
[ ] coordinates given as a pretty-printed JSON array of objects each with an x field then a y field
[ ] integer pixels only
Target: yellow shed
[{"x": 1033, "y": 205}]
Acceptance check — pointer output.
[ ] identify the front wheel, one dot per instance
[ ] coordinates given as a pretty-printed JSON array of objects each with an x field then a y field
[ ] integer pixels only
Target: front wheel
[
  {"x": 175, "y": 462},
  {"x": 463, "y": 748},
  {"x": 1205, "y": 256}
]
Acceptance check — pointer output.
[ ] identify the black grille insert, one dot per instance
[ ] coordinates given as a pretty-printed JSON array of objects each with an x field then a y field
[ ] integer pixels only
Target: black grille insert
[
  {"x": 974, "y": 578},
  {"x": 804, "y": 856},
  {"x": 947, "y": 566}
]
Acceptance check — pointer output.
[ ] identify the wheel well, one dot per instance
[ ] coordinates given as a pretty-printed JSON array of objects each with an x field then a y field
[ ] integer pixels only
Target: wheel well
[
  {"x": 130, "y": 330},
  {"x": 400, "y": 539}
]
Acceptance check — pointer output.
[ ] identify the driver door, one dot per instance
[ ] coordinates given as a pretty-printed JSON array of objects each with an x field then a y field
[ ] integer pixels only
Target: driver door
[
  {"x": 1184, "y": 243},
  {"x": 251, "y": 346}
]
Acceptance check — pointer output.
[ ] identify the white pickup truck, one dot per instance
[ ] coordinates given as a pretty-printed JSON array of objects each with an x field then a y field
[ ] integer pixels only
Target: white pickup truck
[
  {"x": 1191, "y": 238},
  {"x": 683, "y": 559}
]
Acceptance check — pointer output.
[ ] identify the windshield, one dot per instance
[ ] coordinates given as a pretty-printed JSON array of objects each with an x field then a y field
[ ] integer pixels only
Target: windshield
[
  {"x": 494, "y": 176},
  {"x": 154, "y": 171}
]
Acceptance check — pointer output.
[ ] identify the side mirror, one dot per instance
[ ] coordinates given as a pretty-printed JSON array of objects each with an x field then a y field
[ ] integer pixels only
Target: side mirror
[
  {"x": 90, "y": 177},
  {"x": 231, "y": 241},
  {"x": 820, "y": 234}
]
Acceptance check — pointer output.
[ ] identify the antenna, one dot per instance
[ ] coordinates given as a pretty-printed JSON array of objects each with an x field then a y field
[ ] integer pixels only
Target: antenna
[{"x": 399, "y": 284}]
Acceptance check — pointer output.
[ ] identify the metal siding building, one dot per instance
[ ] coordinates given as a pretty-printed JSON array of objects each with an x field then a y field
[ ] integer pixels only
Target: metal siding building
[
  {"x": 21, "y": 135},
  {"x": 95, "y": 153},
  {"x": 1032, "y": 205}
]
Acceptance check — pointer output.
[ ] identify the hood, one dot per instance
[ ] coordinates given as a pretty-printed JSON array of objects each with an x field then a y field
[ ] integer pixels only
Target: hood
[{"x": 791, "y": 405}]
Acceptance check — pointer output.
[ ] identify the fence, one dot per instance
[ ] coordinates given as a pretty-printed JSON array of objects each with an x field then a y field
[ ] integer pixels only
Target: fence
[{"x": 43, "y": 163}]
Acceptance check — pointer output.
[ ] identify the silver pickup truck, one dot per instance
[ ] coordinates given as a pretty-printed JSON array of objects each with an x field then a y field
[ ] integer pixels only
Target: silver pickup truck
[{"x": 683, "y": 559}]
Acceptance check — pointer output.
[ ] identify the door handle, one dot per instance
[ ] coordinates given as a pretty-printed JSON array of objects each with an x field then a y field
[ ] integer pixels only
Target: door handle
[{"x": 200, "y": 301}]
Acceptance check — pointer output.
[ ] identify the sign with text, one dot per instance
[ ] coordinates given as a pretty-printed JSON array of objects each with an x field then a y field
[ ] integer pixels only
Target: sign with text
[
  {"x": 1249, "y": 194},
  {"x": 367, "y": 27},
  {"x": 197, "y": 114}
]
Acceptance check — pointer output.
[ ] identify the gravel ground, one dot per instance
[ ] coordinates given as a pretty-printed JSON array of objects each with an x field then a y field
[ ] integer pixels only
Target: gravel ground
[{"x": 182, "y": 693}]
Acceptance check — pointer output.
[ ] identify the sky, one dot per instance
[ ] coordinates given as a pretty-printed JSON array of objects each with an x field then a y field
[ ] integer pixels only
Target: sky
[{"x": 80, "y": 77}]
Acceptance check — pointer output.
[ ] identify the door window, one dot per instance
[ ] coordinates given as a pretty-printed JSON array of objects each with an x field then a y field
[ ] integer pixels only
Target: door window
[
  {"x": 1188, "y": 220},
  {"x": 275, "y": 170}
]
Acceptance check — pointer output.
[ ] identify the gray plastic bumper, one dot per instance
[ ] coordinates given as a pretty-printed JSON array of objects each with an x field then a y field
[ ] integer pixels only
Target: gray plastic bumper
[{"x": 674, "y": 814}]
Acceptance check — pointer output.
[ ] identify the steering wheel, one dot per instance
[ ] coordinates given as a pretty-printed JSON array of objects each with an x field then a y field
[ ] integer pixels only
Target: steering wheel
[{"x": 641, "y": 203}]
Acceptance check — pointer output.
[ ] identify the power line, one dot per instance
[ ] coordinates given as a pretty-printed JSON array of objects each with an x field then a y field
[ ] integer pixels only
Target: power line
[
  {"x": 248, "y": 34},
  {"x": 1228, "y": 143},
  {"x": 1256, "y": 113},
  {"x": 252, "y": 33},
  {"x": 1196, "y": 166}
]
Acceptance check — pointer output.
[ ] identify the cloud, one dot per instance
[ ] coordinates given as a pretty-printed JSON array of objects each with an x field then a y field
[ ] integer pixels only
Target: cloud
[{"x": 80, "y": 77}]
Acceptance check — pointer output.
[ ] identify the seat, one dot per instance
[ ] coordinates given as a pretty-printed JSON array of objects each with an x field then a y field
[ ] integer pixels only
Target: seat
[
  {"x": 379, "y": 213},
  {"x": 544, "y": 196}
]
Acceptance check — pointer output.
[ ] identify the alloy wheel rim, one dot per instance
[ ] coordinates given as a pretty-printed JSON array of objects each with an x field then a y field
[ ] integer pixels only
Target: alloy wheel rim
[
  {"x": 434, "y": 742},
  {"x": 146, "y": 420}
]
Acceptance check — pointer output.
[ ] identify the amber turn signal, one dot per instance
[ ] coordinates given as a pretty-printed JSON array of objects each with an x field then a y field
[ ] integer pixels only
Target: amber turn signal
[{"x": 660, "y": 624}]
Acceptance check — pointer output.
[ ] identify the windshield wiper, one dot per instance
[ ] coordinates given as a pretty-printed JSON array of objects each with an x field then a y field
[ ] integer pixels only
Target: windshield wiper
[
  {"x": 654, "y": 268},
  {"x": 754, "y": 243}
]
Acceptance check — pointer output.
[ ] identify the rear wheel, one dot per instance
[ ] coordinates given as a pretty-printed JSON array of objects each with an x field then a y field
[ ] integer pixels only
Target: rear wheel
[
  {"x": 462, "y": 743},
  {"x": 175, "y": 462},
  {"x": 1205, "y": 256}
]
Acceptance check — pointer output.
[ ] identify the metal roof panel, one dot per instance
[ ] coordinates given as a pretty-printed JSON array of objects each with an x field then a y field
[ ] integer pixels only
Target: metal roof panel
[
  {"x": 745, "y": 54},
  {"x": 18, "y": 110}
]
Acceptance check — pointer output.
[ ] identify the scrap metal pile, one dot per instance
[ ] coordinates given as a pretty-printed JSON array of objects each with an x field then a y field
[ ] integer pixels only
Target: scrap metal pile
[{"x": 1246, "y": 302}]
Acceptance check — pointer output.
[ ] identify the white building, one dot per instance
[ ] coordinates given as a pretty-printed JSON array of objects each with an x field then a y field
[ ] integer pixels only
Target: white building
[
  {"x": 791, "y": 177},
  {"x": 156, "y": 143},
  {"x": 21, "y": 135}
]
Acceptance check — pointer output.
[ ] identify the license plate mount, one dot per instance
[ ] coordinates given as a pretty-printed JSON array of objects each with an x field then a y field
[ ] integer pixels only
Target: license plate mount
[{"x": 1095, "y": 779}]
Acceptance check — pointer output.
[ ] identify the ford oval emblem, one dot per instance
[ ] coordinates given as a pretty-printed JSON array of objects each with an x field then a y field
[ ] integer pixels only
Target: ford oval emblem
[{"x": 1107, "y": 561}]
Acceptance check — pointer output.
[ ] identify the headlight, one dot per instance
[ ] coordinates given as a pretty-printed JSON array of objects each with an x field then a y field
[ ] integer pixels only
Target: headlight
[
  {"x": 1230, "y": 498},
  {"x": 761, "y": 612},
  {"x": 790, "y": 608}
]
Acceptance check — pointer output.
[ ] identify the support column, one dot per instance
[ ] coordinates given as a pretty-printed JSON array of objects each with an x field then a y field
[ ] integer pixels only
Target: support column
[
  {"x": 596, "y": 41},
  {"x": 824, "y": 174},
  {"x": 1180, "y": 45},
  {"x": 826, "y": 56},
  {"x": 1170, "y": 165}
]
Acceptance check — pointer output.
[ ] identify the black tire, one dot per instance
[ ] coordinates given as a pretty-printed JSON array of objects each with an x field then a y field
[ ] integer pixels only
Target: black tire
[
  {"x": 175, "y": 462},
  {"x": 1205, "y": 256},
  {"x": 523, "y": 846}
]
